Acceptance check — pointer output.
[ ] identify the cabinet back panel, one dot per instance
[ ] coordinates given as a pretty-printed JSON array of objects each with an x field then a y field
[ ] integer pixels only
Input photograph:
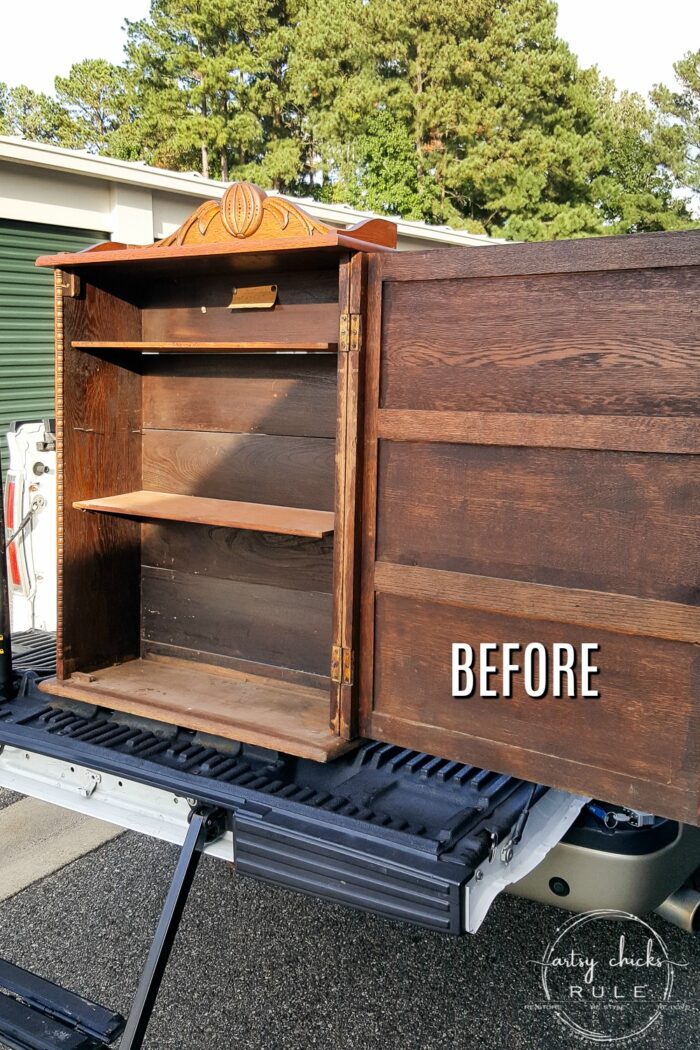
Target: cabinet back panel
[
  {"x": 196, "y": 308},
  {"x": 291, "y": 395},
  {"x": 257, "y": 468},
  {"x": 228, "y": 619},
  {"x": 292, "y": 562}
]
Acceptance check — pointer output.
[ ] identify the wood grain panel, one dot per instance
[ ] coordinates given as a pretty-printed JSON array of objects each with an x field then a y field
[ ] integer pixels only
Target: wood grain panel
[
  {"x": 618, "y": 433},
  {"x": 232, "y": 704},
  {"x": 602, "y": 343},
  {"x": 619, "y": 732},
  {"x": 289, "y": 562},
  {"x": 264, "y": 624},
  {"x": 99, "y": 452},
  {"x": 288, "y": 396},
  {"x": 611, "y": 612},
  {"x": 310, "y": 322},
  {"x": 606, "y": 521},
  {"x": 284, "y": 471}
]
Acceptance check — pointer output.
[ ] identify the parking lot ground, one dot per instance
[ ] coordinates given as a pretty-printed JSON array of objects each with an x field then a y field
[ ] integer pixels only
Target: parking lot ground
[{"x": 260, "y": 968}]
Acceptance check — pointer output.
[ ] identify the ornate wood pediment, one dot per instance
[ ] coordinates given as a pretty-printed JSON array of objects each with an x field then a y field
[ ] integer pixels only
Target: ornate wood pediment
[
  {"x": 245, "y": 211},
  {"x": 246, "y": 219}
]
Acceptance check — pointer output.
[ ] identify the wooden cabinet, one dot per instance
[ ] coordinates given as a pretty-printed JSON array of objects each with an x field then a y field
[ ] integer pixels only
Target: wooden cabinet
[
  {"x": 207, "y": 396},
  {"x": 295, "y": 467}
]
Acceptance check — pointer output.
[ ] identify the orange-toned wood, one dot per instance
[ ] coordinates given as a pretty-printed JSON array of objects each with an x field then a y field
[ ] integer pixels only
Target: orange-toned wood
[
  {"x": 246, "y": 219},
  {"x": 199, "y": 510},
  {"x": 207, "y": 348},
  {"x": 267, "y": 712}
]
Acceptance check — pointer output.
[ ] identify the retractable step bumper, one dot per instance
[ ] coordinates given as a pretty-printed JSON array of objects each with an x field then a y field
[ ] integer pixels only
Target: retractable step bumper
[{"x": 388, "y": 830}]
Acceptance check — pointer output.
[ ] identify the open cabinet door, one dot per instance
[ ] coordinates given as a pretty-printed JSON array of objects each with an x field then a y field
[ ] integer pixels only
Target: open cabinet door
[{"x": 531, "y": 476}]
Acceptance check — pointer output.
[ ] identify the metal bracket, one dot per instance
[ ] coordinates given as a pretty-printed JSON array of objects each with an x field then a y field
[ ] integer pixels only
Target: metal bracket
[
  {"x": 350, "y": 338},
  {"x": 70, "y": 285},
  {"x": 261, "y": 297},
  {"x": 342, "y": 665},
  {"x": 207, "y": 823}
]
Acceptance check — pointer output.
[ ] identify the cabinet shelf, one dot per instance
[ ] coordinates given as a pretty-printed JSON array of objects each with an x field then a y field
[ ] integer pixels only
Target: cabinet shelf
[
  {"x": 191, "y": 347},
  {"x": 200, "y": 510},
  {"x": 236, "y": 705}
]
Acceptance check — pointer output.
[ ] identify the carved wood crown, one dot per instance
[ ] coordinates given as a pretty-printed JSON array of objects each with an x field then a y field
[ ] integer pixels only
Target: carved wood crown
[{"x": 244, "y": 211}]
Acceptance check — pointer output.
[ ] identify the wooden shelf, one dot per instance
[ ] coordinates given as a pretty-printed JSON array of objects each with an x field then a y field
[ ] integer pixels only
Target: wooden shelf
[
  {"x": 199, "y": 510},
  {"x": 251, "y": 347},
  {"x": 250, "y": 708}
]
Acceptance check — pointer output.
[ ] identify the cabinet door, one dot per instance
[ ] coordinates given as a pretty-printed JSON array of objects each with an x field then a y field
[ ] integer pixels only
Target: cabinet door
[{"x": 531, "y": 476}]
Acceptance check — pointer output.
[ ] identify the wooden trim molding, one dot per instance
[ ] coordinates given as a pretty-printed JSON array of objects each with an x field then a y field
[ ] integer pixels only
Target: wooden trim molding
[
  {"x": 246, "y": 219},
  {"x": 622, "y": 613},
  {"x": 674, "y": 434}
]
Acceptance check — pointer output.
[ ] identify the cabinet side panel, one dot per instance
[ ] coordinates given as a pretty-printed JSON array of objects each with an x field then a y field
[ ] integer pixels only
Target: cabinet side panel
[{"x": 98, "y": 405}]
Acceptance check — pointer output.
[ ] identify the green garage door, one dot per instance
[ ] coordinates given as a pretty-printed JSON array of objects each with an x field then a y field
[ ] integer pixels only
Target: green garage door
[{"x": 26, "y": 318}]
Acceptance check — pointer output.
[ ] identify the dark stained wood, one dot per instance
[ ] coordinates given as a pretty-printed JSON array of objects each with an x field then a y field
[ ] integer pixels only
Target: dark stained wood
[
  {"x": 265, "y": 624},
  {"x": 621, "y": 735},
  {"x": 605, "y": 521},
  {"x": 599, "y": 343},
  {"x": 643, "y": 251},
  {"x": 99, "y": 451},
  {"x": 294, "y": 396},
  {"x": 344, "y": 710},
  {"x": 531, "y": 475},
  {"x": 290, "y": 562},
  {"x": 304, "y": 326},
  {"x": 611, "y": 612},
  {"x": 283, "y": 471},
  {"x": 623, "y": 433},
  {"x": 231, "y": 514},
  {"x": 256, "y": 710}
]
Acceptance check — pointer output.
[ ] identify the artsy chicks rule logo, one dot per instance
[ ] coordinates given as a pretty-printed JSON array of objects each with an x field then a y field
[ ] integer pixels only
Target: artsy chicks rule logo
[{"x": 608, "y": 976}]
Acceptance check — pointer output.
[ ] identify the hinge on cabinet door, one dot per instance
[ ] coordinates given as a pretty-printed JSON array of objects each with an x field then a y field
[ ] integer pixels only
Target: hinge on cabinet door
[
  {"x": 350, "y": 332},
  {"x": 342, "y": 665}
]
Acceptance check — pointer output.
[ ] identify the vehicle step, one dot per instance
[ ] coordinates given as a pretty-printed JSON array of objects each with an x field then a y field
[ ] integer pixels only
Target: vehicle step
[{"x": 36, "y": 1014}]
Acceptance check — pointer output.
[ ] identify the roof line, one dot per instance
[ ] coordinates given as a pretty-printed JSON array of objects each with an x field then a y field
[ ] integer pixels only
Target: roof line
[{"x": 87, "y": 165}]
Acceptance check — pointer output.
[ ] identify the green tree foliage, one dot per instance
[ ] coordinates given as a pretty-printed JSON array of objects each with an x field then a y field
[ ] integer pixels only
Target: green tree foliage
[
  {"x": 95, "y": 97},
  {"x": 473, "y": 113},
  {"x": 207, "y": 78},
  {"x": 679, "y": 111},
  {"x": 31, "y": 115}
]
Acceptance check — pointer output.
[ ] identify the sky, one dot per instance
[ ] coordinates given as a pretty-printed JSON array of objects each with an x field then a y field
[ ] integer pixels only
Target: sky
[{"x": 633, "y": 41}]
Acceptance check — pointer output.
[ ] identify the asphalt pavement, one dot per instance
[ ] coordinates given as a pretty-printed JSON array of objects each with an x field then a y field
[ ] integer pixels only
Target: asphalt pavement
[{"x": 260, "y": 968}]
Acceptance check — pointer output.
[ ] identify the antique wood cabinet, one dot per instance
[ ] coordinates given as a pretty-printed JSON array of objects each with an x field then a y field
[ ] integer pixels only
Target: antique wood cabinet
[{"x": 296, "y": 467}]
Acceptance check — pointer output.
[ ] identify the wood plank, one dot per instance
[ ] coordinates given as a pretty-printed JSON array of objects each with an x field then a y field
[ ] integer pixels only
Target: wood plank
[
  {"x": 672, "y": 434},
  {"x": 261, "y": 623},
  {"x": 224, "y": 347},
  {"x": 293, "y": 562},
  {"x": 235, "y": 663},
  {"x": 231, "y": 514},
  {"x": 612, "y": 612},
  {"x": 98, "y": 450},
  {"x": 288, "y": 396},
  {"x": 675, "y": 800},
  {"x": 199, "y": 316},
  {"x": 255, "y": 710},
  {"x": 621, "y": 731},
  {"x": 620, "y": 343},
  {"x": 643, "y": 251},
  {"x": 255, "y": 468},
  {"x": 604, "y": 521}
]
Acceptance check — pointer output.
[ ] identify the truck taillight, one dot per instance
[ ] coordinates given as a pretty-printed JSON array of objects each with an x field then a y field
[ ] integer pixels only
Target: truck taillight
[{"x": 16, "y": 562}]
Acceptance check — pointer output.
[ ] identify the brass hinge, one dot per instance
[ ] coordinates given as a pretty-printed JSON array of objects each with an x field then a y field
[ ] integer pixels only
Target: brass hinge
[
  {"x": 350, "y": 332},
  {"x": 342, "y": 665}
]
